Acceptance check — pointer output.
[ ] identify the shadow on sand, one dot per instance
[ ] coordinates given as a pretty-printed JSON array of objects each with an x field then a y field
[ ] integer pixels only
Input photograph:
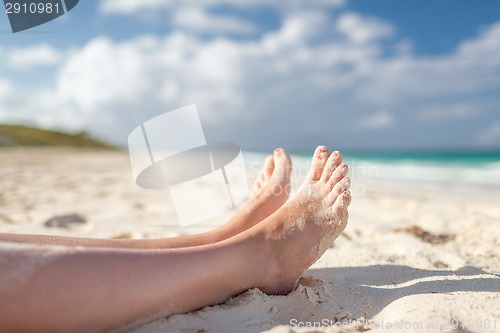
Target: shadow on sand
[
  {"x": 365, "y": 291},
  {"x": 335, "y": 294}
]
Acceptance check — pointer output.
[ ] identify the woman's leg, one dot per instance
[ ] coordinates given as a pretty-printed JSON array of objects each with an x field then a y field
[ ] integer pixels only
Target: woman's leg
[
  {"x": 99, "y": 289},
  {"x": 86, "y": 289},
  {"x": 270, "y": 191}
]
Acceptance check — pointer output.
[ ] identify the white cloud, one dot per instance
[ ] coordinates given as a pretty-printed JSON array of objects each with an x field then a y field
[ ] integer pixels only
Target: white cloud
[
  {"x": 485, "y": 47},
  {"x": 201, "y": 21},
  {"x": 131, "y": 6},
  {"x": 32, "y": 56},
  {"x": 471, "y": 69},
  {"x": 361, "y": 29},
  {"x": 490, "y": 135},
  {"x": 376, "y": 121},
  {"x": 296, "y": 29},
  {"x": 106, "y": 83},
  {"x": 103, "y": 72},
  {"x": 127, "y": 7},
  {"x": 5, "y": 88},
  {"x": 305, "y": 76},
  {"x": 454, "y": 111}
]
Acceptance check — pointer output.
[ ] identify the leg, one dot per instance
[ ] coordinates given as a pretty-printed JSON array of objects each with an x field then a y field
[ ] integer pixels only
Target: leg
[
  {"x": 98, "y": 289},
  {"x": 270, "y": 191}
]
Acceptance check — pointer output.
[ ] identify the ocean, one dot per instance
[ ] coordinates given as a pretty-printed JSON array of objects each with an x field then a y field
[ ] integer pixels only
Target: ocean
[{"x": 465, "y": 168}]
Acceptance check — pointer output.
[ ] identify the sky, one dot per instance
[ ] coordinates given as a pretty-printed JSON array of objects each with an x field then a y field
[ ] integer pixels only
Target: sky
[{"x": 361, "y": 75}]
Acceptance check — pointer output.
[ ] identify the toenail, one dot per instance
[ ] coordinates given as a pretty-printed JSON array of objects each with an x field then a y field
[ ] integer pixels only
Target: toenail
[
  {"x": 336, "y": 153},
  {"x": 344, "y": 166},
  {"x": 277, "y": 152},
  {"x": 322, "y": 155}
]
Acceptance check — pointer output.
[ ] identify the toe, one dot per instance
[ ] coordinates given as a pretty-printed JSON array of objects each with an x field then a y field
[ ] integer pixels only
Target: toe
[
  {"x": 340, "y": 172},
  {"x": 282, "y": 164},
  {"x": 340, "y": 206},
  {"x": 343, "y": 222},
  {"x": 320, "y": 157},
  {"x": 331, "y": 164},
  {"x": 339, "y": 188},
  {"x": 268, "y": 167},
  {"x": 264, "y": 174}
]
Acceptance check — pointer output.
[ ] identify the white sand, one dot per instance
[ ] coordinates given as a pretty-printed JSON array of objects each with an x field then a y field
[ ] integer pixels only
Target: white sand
[{"x": 387, "y": 278}]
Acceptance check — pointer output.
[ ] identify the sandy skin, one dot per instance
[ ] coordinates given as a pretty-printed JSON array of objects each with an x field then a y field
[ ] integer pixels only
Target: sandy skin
[{"x": 98, "y": 288}]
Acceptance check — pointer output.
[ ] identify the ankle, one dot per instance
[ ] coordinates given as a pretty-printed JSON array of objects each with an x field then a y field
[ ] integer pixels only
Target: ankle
[{"x": 269, "y": 262}]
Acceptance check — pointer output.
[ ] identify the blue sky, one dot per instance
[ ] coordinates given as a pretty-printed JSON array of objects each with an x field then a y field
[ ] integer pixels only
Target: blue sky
[{"x": 385, "y": 74}]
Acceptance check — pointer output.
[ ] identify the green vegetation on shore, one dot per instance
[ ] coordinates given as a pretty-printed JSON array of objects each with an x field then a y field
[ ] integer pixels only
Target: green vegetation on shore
[{"x": 17, "y": 135}]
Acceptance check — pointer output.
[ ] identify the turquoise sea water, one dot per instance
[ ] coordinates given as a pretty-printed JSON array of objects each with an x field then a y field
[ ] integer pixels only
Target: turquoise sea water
[
  {"x": 475, "y": 168},
  {"x": 479, "y": 168}
]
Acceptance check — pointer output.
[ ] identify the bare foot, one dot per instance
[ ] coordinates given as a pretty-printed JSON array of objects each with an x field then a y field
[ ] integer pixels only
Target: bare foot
[
  {"x": 301, "y": 231},
  {"x": 272, "y": 187},
  {"x": 270, "y": 191}
]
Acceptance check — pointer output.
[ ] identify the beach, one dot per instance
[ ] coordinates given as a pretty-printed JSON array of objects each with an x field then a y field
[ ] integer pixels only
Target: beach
[{"x": 420, "y": 252}]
